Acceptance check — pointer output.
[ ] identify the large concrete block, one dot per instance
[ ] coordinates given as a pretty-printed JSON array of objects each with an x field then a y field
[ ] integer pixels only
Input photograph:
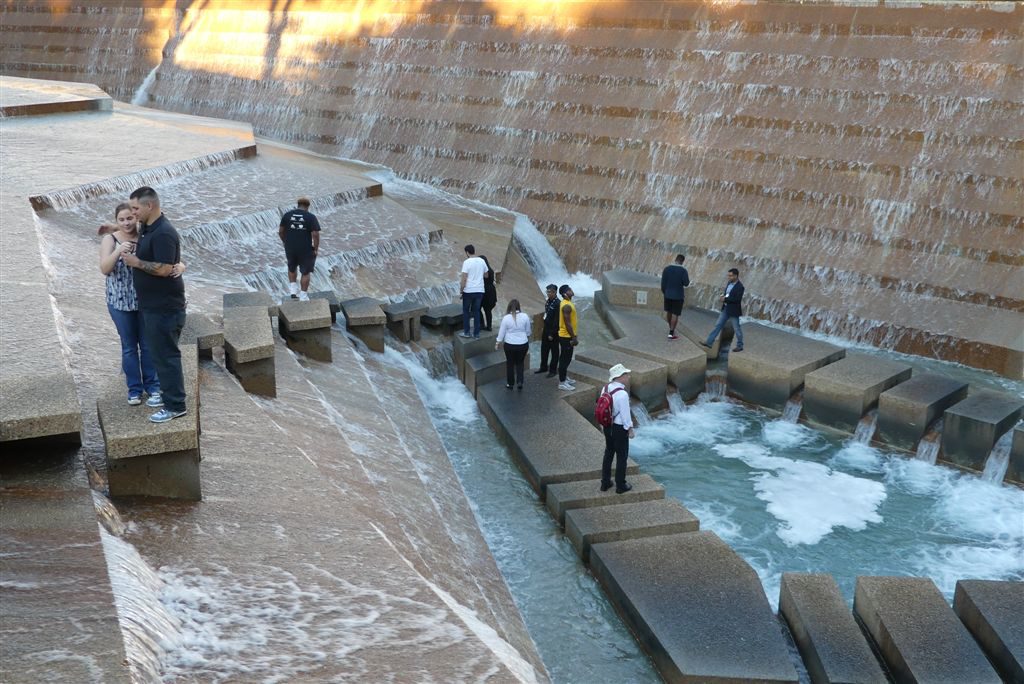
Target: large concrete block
[
  {"x": 648, "y": 379},
  {"x": 839, "y": 394},
  {"x": 685, "y": 362},
  {"x": 566, "y": 496},
  {"x": 550, "y": 441},
  {"x": 826, "y": 634},
  {"x": 696, "y": 324},
  {"x": 917, "y": 634},
  {"x": 366, "y": 320},
  {"x": 1015, "y": 469},
  {"x": 993, "y": 611},
  {"x": 697, "y": 607},
  {"x": 404, "y": 319},
  {"x": 331, "y": 297},
  {"x": 306, "y": 327},
  {"x": 246, "y": 299},
  {"x": 467, "y": 347},
  {"x": 906, "y": 410},
  {"x": 971, "y": 428},
  {"x": 446, "y": 318},
  {"x": 624, "y": 287},
  {"x": 599, "y": 524},
  {"x": 40, "y": 406},
  {"x": 487, "y": 368},
  {"x": 170, "y": 475},
  {"x": 774, "y": 364},
  {"x": 203, "y": 332},
  {"x": 249, "y": 349}
]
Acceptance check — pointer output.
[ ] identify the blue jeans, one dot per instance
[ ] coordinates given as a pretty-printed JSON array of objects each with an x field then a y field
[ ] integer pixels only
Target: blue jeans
[
  {"x": 162, "y": 330},
  {"x": 737, "y": 330},
  {"x": 471, "y": 302},
  {"x": 139, "y": 372}
]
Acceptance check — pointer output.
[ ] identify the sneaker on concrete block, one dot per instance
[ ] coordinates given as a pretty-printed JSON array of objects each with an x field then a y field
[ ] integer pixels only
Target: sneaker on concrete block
[
  {"x": 155, "y": 400},
  {"x": 164, "y": 415},
  {"x": 293, "y": 290},
  {"x": 673, "y": 336},
  {"x": 571, "y": 382},
  {"x": 303, "y": 296},
  {"x": 465, "y": 336},
  {"x": 134, "y": 400},
  {"x": 565, "y": 386}
]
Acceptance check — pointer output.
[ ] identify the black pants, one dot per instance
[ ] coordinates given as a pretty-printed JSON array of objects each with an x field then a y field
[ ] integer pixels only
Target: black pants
[
  {"x": 488, "y": 313},
  {"x": 549, "y": 347},
  {"x": 616, "y": 441},
  {"x": 564, "y": 357},
  {"x": 515, "y": 362},
  {"x": 162, "y": 330}
]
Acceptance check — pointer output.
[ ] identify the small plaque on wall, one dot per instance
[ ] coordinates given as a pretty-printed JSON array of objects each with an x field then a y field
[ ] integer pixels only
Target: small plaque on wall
[{"x": 641, "y": 297}]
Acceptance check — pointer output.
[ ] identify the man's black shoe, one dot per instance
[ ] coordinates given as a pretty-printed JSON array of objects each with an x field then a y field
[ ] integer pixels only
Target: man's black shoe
[
  {"x": 551, "y": 375},
  {"x": 540, "y": 370},
  {"x": 705, "y": 345},
  {"x": 623, "y": 489},
  {"x": 605, "y": 486},
  {"x": 737, "y": 348}
]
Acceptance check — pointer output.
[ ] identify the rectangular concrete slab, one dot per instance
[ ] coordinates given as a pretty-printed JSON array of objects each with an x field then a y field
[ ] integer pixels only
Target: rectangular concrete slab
[
  {"x": 971, "y": 428},
  {"x": 550, "y": 441},
  {"x": 696, "y": 606},
  {"x": 466, "y": 348},
  {"x": 331, "y": 298},
  {"x": 443, "y": 315},
  {"x": 628, "y": 288},
  {"x": 907, "y": 410},
  {"x": 363, "y": 311},
  {"x": 917, "y": 633},
  {"x": 295, "y": 315},
  {"x": 599, "y": 524},
  {"x": 404, "y": 319},
  {"x": 201, "y": 331},
  {"x": 248, "y": 335},
  {"x": 43, "y": 405},
  {"x": 487, "y": 368},
  {"x": 685, "y": 362},
  {"x": 774, "y": 363},
  {"x": 993, "y": 611},
  {"x": 566, "y": 496},
  {"x": 234, "y": 300},
  {"x": 826, "y": 633},
  {"x": 648, "y": 379},
  {"x": 840, "y": 393}
]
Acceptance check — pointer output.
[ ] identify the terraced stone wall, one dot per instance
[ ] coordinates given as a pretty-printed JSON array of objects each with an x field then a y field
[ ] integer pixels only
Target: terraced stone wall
[{"x": 861, "y": 163}]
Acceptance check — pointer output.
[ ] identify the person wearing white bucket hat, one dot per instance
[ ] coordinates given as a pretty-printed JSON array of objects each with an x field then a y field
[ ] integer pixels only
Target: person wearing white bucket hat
[{"x": 618, "y": 434}]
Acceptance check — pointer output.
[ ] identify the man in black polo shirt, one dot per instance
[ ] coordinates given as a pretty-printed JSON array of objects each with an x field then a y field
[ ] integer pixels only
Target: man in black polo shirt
[
  {"x": 300, "y": 233},
  {"x": 161, "y": 298}
]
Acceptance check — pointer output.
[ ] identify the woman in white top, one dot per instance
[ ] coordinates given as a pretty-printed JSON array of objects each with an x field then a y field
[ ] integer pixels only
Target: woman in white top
[{"x": 515, "y": 333}]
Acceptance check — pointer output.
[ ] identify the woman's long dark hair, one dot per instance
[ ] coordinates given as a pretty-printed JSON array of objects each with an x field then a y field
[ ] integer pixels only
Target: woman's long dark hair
[{"x": 513, "y": 306}]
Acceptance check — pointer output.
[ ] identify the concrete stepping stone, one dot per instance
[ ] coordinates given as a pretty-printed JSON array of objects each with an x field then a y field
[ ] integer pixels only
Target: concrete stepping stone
[
  {"x": 629, "y": 288},
  {"x": 599, "y": 524},
  {"x": 550, "y": 441},
  {"x": 685, "y": 363},
  {"x": 487, "y": 368},
  {"x": 993, "y": 611},
  {"x": 971, "y": 428},
  {"x": 839, "y": 394},
  {"x": 918, "y": 635},
  {"x": 907, "y": 410},
  {"x": 404, "y": 319},
  {"x": 447, "y": 318},
  {"x": 236, "y": 299},
  {"x": 40, "y": 406},
  {"x": 202, "y": 332},
  {"x": 695, "y": 324},
  {"x": 467, "y": 347},
  {"x": 774, "y": 364},
  {"x": 151, "y": 459},
  {"x": 648, "y": 381},
  {"x": 306, "y": 327},
  {"x": 331, "y": 297},
  {"x": 566, "y": 496},
  {"x": 828, "y": 638},
  {"x": 696, "y": 606},
  {"x": 365, "y": 319},
  {"x": 249, "y": 348},
  {"x": 1015, "y": 469}
]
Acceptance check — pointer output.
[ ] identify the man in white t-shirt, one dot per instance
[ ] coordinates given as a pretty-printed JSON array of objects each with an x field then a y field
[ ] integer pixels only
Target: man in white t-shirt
[{"x": 471, "y": 284}]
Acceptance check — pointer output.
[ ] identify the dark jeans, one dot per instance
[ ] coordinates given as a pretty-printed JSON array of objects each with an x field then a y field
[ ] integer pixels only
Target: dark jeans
[
  {"x": 548, "y": 348},
  {"x": 139, "y": 373},
  {"x": 616, "y": 441},
  {"x": 488, "y": 315},
  {"x": 471, "y": 310},
  {"x": 564, "y": 357},
  {"x": 515, "y": 361},
  {"x": 162, "y": 330}
]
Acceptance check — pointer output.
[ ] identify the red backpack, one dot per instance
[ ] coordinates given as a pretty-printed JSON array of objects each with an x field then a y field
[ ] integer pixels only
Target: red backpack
[{"x": 603, "y": 409}]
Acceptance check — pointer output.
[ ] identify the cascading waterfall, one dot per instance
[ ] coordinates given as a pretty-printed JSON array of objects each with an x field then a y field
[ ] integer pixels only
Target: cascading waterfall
[
  {"x": 676, "y": 405},
  {"x": 545, "y": 262},
  {"x": 998, "y": 459},
  {"x": 865, "y": 431},
  {"x": 715, "y": 385},
  {"x": 928, "y": 447},
  {"x": 640, "y": 413},
  {"x": 141, "y": 96},
  {"x": 791, "y": 411}
]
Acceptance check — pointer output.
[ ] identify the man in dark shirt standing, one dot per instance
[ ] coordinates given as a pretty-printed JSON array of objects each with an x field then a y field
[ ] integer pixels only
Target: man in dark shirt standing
[
  {"x": 673, "y": 279},
  {"x": 300, "y": 233},
  {"x": 549, "y": 335},
  {"x": 161, "y": 298}
]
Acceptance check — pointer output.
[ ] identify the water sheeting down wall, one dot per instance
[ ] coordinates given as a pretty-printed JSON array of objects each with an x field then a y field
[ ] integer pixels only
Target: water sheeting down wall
[{"x": 861, "y": 165}]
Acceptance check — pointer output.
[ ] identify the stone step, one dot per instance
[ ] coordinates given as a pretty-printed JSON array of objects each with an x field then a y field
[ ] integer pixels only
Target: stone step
[
  {"x": 404, "y": 319},
  {"x": 249, "y": 347},
  {"x": 467, "y": 347},
  {"x": 906, "y": 411},
  {"x": 36, "y": 97},
  {"x": 332, "y": 300},
  {"x": 599, "y": 524},
  {"x": 840, "y": 393},
  {"x": 203, "y": 332},
  {"x": 566, "y": 496},
  {"x": 993, "y": 612},
  {"x": 487, "y": 368},
  {"x": 685, "y": 362},
  {"x": 919, "y": 637},
  {"x": 306, "y": 327},
  {"x": 830, "y": 642},
  {"x": 550, "y": 440},
  {"x": 970, "y": 428},
  {"x": 697, "y": 607},
  {"x": 648, "y": 379},
  {"x": 365, "y": 319},
  {"x": 243, "y": 299}
]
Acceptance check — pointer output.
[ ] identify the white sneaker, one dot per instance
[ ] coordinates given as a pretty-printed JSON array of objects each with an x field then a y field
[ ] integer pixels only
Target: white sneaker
[
  {"x": 565, "y": 386},
  {"x": 303, "y": 297},
  {"x": 571, "y": 381},
  {"x": 293, "y": 290}
]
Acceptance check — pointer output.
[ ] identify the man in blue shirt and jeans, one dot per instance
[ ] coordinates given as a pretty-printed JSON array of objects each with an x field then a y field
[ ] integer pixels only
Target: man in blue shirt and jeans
[{"x": 161, "y": 298}]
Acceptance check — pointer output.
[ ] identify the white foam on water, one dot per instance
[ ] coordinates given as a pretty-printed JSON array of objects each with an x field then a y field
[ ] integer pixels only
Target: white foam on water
[
  {"x": 859, "y": 456},
  {"x": 703, "y": 422},
  {"x": 783, "y": 434},
  {"x": 446, "y": 395},
  {"x": 808, "y": 499}
]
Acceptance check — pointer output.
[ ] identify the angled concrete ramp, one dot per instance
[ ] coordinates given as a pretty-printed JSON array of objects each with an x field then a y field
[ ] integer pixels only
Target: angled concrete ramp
[
  {"x": 993, "y": 612},
  {"x": 595, "y": 525},
  {"x": 918, "y": 635},
  {"x": 566, "y": 496},
  {"x": 696, "y": 606},
  {"x": 648, "y": 379},
  {"x": 830, "y": 642}
]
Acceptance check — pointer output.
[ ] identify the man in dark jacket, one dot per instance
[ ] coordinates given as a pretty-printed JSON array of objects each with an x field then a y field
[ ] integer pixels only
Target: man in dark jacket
[
  {"x": 732, "y": 309},
  {"x": 673, "y": 279},
  {"x": 549, "y": 335}
]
